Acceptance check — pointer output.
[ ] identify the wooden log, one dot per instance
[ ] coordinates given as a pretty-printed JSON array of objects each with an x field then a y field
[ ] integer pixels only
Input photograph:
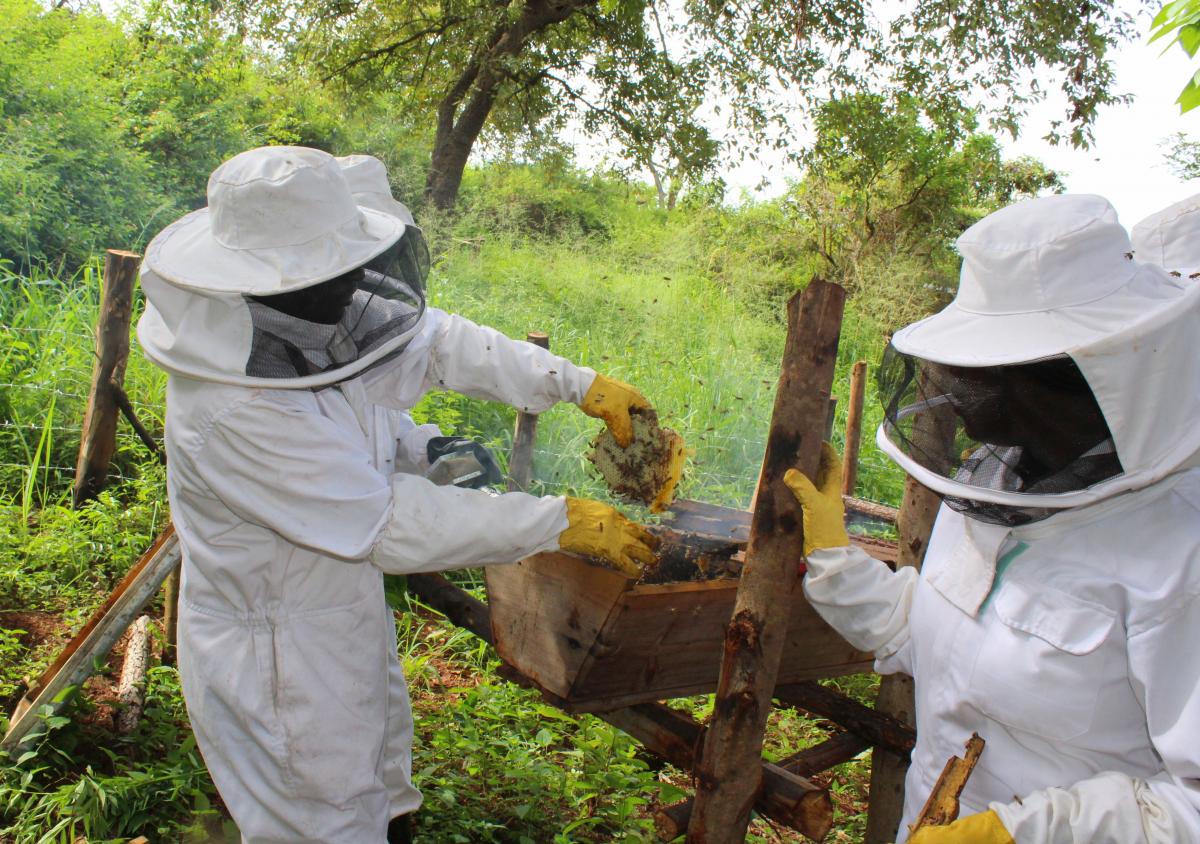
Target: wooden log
[
  {"x": 459, "y": 607},
  {"x": 942, "y": 806},
  {"x": 99, "y": 438},
  {"x": 74, "y": 664},
  {"x": 858, "y": 382},
  {"x": 875, "y": 727},
  {"x": 873, "y": 509},
  {"x": 672, "y": 821},
  {"x": 133, "y": 676},
  {"x": 780, "y": 795},
  {"x": 520, "y": 460},
  {"x": 728, "y": 777},
  {"x": 935, "y": 435},
  {"x": 838, "y": 748}
]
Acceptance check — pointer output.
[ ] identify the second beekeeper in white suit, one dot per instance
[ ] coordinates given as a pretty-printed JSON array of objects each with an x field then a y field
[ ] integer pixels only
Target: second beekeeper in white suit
[
  {"x": 293, "y": 325},
  {"x": 1053, "y": 406}
]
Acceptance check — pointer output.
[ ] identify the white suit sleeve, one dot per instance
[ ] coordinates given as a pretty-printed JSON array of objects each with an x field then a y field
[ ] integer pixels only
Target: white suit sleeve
[
  {"x": 295, "y": 472},
  {"x": 483, "y": 363},
  {"x": 862, "y": 599},
  {"x": 411, "y": 442},
  {"x": 1109, "y": 808}
]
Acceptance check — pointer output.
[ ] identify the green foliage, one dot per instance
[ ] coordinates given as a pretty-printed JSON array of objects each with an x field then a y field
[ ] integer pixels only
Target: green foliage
[
  {"x": 1179, "y": 22},
  {"x": 70, "y": 183},
  {"x": 67, "y": 781},
  {"x": 891, "y": 184},
  {"x": 1182, "y": 155},
  {"x": 563, "y": 779},
  {"x": 111, "y": 131}
]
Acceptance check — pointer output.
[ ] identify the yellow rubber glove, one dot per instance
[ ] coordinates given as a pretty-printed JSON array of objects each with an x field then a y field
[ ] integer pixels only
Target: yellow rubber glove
[
  {"x": 611, "y": 400},
  {"x": 984, "y": 828},
  {"x": 597, "y": 530},
  {"x": 824, "y": 513}
]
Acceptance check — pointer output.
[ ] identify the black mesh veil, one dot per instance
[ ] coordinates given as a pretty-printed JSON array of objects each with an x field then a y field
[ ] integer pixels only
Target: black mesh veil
[
  {"x": 1030, "y": 428},
  {"x": 344, "y": 325}
]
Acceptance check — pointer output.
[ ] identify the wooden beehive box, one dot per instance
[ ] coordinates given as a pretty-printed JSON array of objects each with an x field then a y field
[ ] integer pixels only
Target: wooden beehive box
[{"x": 599, "y": 640}]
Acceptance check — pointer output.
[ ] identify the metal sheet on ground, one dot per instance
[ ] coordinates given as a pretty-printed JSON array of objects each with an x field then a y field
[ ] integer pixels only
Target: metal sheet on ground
[{"x": 96, "y": 639}]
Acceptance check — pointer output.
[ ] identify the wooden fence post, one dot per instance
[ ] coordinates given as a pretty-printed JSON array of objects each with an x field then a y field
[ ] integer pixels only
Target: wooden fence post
[
  {"x": 858, "y": 380},
  {"x": 99, "y": 439},
  {"x": 520, "y": 459},
  {"x": 729, "y": 773}
]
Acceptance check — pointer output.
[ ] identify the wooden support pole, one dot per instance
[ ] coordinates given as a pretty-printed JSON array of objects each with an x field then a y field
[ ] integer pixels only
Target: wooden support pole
[
  {"x": 99, "y": 438},
  {"x": 171, "y": 617},
  {"x": 875, "y": 727},
  {"x": 729, "y": 774},
  {"x": 133, "y": 676},
  {"x": 463, "y": 610},
  {"x": 520, "y": 460},
  {"x": 858, "y": 383}
]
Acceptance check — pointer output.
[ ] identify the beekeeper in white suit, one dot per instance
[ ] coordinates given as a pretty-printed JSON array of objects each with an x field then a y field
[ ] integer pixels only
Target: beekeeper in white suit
[
  {"x": 1170, "y": 238},
  {"x": 292, "y": 323},
  {"x": 1053, "y": 405}
]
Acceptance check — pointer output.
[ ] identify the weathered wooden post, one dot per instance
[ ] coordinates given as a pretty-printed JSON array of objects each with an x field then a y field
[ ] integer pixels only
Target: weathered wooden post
[
  {"x": 858, "y": 382},
  {"x": 99, "y": 439},
  {"x": 934, "y": 434},
  {"x": 520, "y": 459},
  {"x": 729, "y": 774},
  {"x": 170, "y": 617}
]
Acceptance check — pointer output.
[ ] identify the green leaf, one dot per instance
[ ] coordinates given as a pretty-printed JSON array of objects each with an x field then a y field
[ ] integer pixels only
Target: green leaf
[
  {"x": 1189, "y": 98},
  {"x": 1189, "y": 38}
]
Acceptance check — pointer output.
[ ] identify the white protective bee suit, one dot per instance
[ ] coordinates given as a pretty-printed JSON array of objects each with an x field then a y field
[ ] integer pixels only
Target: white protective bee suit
[
  {"x": 291, "y": 500},
  {"x": 1059, "y": 621},
  {"x": 1170, "y": 238}
]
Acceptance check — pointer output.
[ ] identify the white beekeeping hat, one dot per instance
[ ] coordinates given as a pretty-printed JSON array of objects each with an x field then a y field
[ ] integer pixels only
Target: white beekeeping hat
[
  {"x": 1170, "y": 238},
  {"x": 1051, "y": 283}
]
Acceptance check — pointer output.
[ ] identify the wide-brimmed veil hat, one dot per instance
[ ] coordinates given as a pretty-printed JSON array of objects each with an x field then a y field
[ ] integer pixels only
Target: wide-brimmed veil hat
[
  {"x": 1053, "y": 278},
  {"x": 278, "y": 219},
  {"x": 368, "y": 180},
  {"x": 1170, "y": 238}
]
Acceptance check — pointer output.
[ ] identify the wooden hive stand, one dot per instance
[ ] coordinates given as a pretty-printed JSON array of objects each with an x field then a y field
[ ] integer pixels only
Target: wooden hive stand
[{"x": 594, "y": 640}]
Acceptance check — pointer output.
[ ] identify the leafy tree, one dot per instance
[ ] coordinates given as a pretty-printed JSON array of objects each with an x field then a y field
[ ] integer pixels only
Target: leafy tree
[
  {"x": 887, "y": 191},
  {"x": 1182, "y": 155},
  {"x": 635, "y": 70}
]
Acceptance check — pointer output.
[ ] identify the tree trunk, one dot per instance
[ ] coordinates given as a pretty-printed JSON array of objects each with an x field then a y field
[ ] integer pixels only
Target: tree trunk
[{"x": 464, "y": 110}]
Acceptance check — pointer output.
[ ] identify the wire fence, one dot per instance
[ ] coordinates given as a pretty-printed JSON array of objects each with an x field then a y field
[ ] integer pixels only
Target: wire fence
[{"x": 724, "y": 469}]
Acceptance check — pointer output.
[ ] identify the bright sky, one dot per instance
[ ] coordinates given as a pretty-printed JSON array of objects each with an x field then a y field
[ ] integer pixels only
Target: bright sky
[{"x": 1126, "y": 164}]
